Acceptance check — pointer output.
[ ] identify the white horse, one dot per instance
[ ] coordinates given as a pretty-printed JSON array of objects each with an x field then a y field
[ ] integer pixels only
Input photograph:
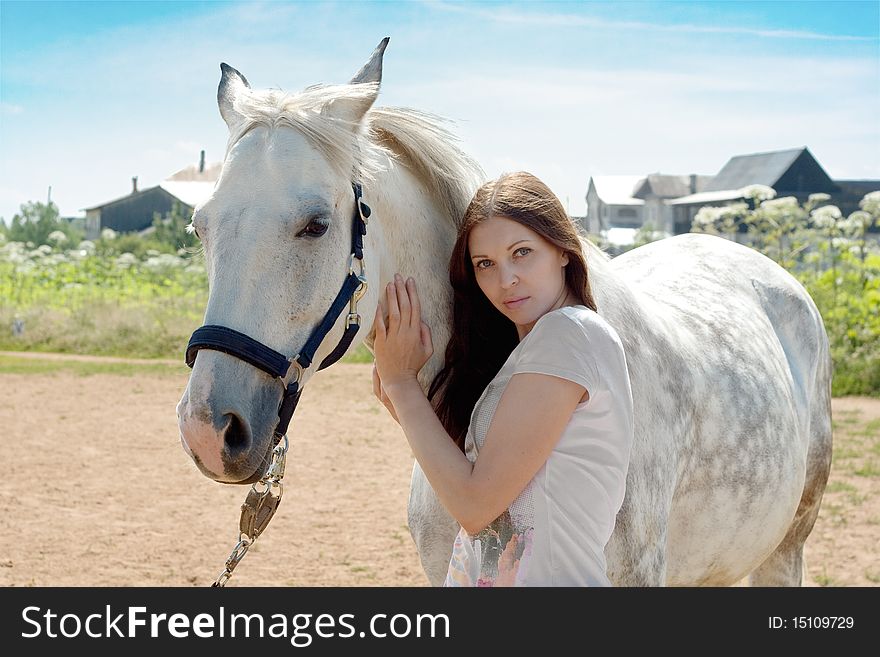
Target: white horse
[{"x": 727, "y": 353}]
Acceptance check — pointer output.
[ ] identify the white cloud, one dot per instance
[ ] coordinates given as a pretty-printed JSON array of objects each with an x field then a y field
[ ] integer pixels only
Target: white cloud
[
  {"x": 10, "y": 108},
  {"x": 506, "y": 15}
]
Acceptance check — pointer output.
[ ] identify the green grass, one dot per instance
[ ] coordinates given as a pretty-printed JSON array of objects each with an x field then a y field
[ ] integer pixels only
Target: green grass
[
  {"x": 840, "y": 487},
  {"x": 824, "y": 579},
  {"x": 359, "y": 355},
  {"x": 855, "y": 499},
  {"x": 50, "y": 365},
  {"x": 15, "y": 365},
  {"x": 870, "y": 430},
  {"x": 869, "y": 469},
  {"x": 844, "y": 454}
]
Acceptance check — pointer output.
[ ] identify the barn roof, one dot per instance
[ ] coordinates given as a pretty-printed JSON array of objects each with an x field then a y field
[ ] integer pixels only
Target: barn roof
[
  {"x": 190, "y": 192},
  {"x": 669, "y": 186},
  {"x": 617, "y": 190},
  {"x": 754, "y": 169},
  {"x": 708, "y": 197},
  {"x": 189, "y": 185}
]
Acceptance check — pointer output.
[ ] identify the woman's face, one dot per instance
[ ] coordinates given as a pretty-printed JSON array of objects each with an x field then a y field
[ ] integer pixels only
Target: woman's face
[{"x": 521, "y": 273}]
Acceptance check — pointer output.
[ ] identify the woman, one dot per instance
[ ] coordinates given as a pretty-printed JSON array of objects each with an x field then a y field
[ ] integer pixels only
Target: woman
[{"x": 529, "y": 444}]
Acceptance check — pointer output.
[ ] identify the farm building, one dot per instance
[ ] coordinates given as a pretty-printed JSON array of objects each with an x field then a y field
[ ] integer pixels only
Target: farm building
[
  {"x": 669, "y": 203},
  {"x": 135, "y": 211}
]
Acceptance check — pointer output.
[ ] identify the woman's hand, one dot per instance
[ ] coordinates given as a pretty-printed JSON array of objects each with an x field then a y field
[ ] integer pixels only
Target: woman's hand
[
  {"x": 379, "y": 391},
  {"x": 403, "y": 346}
]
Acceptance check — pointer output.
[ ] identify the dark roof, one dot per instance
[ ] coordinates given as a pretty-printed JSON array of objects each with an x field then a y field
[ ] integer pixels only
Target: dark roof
[
  {"x": 666, "y": 186},
  {"x": 755, "y": 169},
  {"x": 859, "y": 186},
  {"x": 129, "y": 197}
]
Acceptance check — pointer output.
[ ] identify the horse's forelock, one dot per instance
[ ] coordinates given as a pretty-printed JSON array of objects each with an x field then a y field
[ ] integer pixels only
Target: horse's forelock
[
  {"x": 310, "y": 112},
  {"x": 417, "y": 138}
]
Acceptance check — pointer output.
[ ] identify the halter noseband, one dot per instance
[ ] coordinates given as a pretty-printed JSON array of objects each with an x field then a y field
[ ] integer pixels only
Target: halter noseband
[{"x": 227, "y": 340}]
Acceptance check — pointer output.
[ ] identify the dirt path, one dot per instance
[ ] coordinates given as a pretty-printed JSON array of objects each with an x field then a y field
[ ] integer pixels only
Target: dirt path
[{"x": 97, "y": 491}]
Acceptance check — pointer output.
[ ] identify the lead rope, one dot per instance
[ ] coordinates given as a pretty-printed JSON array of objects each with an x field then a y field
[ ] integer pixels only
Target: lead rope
[{"x": 259, "y": 506}]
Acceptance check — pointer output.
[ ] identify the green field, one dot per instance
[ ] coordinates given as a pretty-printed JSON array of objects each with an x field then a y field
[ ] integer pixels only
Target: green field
[{"x": 130, "y": 296}]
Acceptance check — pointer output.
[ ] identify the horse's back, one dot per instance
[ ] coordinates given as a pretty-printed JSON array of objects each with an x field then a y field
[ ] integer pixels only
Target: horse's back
[
  {"x": 736, "y": 347},
  {"x": 735, "y": 292}
]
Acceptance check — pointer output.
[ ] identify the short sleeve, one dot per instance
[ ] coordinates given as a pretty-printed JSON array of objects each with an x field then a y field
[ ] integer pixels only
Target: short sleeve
[{"x": 559, "y": 345}]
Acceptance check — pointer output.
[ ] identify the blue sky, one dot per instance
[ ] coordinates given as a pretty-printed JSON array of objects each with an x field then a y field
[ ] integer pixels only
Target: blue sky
[{"x": 92, "y": 94}]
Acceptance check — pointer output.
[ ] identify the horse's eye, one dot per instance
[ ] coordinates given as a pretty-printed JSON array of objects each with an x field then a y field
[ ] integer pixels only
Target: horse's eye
[{"x": 316, "y": 228}]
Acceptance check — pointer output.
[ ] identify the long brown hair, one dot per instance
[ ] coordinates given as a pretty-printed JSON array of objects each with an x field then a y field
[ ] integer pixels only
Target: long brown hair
[{"x": 482, "y": 337}]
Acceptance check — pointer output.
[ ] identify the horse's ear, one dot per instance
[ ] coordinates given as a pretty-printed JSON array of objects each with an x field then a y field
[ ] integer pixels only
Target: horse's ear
[
  {"x": 231, "y": 84},
  {"x": 372, "y": 70},
  {"x": 353, "y": 107}
]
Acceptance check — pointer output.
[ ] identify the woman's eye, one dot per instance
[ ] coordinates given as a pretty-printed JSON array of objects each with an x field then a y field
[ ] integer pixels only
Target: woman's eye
[
  {"x": 314, "y": 229},
  {"x": 523, "y": 250},
  {"x": 484, "y": 264}
]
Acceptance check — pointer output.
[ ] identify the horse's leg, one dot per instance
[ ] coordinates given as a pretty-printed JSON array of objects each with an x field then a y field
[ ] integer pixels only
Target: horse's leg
[
  {"x": 431, "y": 527},
  {"x": 785, "y": 565}
]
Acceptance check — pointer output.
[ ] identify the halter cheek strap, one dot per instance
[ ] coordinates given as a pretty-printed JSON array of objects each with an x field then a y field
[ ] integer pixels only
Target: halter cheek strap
[{"x": 289, "y": 371}]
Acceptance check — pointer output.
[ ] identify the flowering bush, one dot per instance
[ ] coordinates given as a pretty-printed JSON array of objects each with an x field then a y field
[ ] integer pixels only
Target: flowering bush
[
  {"x": 82, "y": 301},
  {"x": 833, "y": 257}
]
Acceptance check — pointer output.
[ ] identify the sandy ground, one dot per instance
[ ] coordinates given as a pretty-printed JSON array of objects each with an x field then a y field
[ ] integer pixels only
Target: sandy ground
[{"x": 97, "y": 491}]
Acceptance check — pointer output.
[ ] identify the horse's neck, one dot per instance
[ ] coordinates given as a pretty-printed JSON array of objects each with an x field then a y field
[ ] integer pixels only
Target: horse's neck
[
  {"x": 416, "y": 240},
  {"x": 606, "y": 285}
]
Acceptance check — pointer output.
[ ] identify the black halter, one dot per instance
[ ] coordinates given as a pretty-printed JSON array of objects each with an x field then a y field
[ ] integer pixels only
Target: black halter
[{"x": 221, "y": 338}]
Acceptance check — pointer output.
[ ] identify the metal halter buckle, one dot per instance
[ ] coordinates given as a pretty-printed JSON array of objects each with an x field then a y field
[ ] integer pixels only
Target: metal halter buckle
[{"x": 358, "y": 294}]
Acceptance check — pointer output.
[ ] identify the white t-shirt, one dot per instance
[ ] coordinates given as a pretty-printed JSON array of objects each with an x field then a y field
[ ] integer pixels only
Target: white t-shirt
[{"x": 554, "y": 533}]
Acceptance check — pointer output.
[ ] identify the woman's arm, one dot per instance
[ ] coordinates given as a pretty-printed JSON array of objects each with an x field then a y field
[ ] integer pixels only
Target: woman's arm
[
  {"x": 379, "y": 391},
  {"x": 529, "y": 420}
]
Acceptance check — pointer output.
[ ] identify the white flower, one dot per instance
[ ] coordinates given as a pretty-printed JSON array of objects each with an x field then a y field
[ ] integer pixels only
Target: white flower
[
  {"x": 758, "y": 192},
  {"x": 108, "y": 234},
  {"x": 13, "y": 252},
  {"x": 733, "y": 209},
  {"x": 782, "y": 203},
  {"x": 86, "y": 245},
  {"x": 818, "y": 198},
  {"x": 164, "y": 262},
  {"x": 706, "y": 216},
  {"x": 126, "y": 260},
  {"x": 826, "y": 217},
  {"x": 57, "y": 237},
  {"x": 871, "y": 203},
  {"x": 860, "y": 220}
]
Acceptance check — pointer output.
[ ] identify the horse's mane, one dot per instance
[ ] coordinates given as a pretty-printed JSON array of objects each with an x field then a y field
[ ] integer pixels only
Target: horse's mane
[
  {"x": 421, "y": 141},
  {"x": 416, "y": 139}
]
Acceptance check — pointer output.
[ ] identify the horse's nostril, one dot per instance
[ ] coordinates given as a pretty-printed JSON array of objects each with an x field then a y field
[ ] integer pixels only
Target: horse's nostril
[{"x": 236, "y": 435}]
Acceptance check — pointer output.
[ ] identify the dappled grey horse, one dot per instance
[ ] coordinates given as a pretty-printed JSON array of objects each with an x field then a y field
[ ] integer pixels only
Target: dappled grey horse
[{"x": 727, "y": 354}]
